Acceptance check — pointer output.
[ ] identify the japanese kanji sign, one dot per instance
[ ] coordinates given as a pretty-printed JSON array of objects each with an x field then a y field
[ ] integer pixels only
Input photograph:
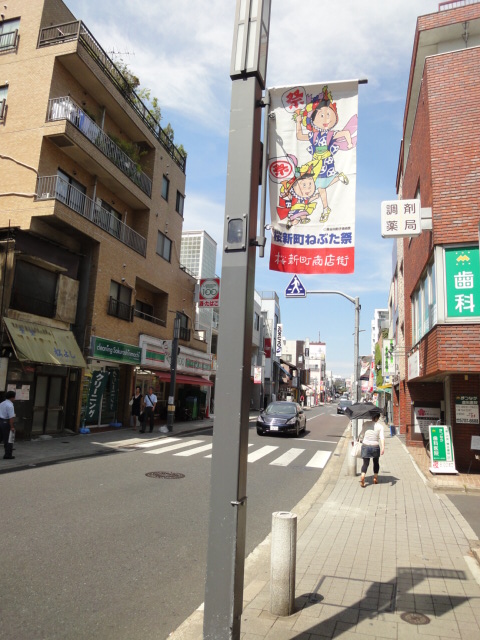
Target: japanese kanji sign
[
  {"x": 312, "y": 177},
  {"x": 400, "y": 218},
  {"x": 209, "y": 292},
  {"x": 97, "y": 387},
  {"x": 442, "y": 458},
  {"x": 462, "y": 276}
]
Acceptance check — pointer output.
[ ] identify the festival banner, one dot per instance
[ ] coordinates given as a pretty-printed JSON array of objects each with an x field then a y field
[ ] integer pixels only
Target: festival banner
[{"x": 312, "y": 177}]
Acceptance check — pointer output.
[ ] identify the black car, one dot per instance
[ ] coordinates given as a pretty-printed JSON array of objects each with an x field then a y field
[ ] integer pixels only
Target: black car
[
  {"x": 343, "y": 404},
  {"x": 281, "y": 417}
]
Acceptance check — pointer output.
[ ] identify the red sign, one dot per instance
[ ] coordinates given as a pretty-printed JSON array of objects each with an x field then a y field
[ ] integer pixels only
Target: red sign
[
  {"x": 209, "y": 293},
  {"x": 268, "y": 347}
]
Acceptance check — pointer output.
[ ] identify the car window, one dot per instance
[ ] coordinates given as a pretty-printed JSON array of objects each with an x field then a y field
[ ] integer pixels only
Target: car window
[{"x": 281, "y": 408}]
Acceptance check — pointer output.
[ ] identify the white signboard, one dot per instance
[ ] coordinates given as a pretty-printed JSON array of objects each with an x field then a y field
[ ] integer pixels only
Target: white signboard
[
  {"x": 466, "y": 410},
  {"x": 424, "y": 417},
  {"x": 209, "y": 293},
  {"x": 414, "y": 365},
  {"x": 278, "y": 340},
  {"x": 400, "y": 218},
  {"x": 257, "y": 375}
]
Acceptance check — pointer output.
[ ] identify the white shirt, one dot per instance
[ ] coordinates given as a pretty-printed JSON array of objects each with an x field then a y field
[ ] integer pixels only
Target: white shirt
[
  {"x": 7, "y": 410},
  {"x": 150, "y": 399},
  {"x": 372, "y": 433}
]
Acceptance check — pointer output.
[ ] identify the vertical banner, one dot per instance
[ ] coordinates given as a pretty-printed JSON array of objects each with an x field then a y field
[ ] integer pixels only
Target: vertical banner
[
  {"x": 113, "y": 395},
  {"x": 312, "y": 176},
  {"x": 278, "y": 340},
  {"x": 97, "y": 387},
  {"x": 462, "y": 279}
]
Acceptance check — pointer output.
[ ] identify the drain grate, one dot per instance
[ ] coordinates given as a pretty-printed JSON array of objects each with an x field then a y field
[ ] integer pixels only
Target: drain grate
[
  {"x": 167, "y": 475},
  {"x": 415, "y": 618}
]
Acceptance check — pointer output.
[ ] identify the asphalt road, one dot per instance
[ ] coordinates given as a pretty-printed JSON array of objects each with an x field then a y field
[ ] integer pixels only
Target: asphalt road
[{"x": 96, "y": 549}]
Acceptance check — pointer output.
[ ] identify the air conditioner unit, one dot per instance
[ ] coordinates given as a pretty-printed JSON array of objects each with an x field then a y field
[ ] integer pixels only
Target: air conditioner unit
[{"x": 45, "y": 195}]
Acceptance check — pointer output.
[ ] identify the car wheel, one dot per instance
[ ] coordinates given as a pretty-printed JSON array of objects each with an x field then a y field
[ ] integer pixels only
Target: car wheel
[{"x": 260, "y": 431}]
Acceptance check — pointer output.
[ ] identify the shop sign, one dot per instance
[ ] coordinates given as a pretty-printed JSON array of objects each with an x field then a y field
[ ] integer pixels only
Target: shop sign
[
  {"x": 278, "y": 340},
  {"x": 97, "y": 387},
  {"x": 441, "y": 450},
  {"x": 424, "y": 417},
  {"x": 257, "y": 375},
  {"x": 414, "y": 365},
  {"x": 466, "y": 410},
  {"x": 209, "y": 292},
  {"x": 400, "y": 218},
  {"x": 462, "y": 276},
  {"x": 267, "y": 347},
  {"x": 103, "y": 349},
  {"x": 388, "y": 360}
]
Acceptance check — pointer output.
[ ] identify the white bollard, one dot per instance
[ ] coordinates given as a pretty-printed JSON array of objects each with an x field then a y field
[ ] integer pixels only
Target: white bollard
[{"x": 283, "y": 563}]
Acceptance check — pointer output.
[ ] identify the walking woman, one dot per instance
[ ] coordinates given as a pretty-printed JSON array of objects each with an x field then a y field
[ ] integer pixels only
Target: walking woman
[
  {"x": 373, "y": 446},
  {"x": 136, "y": 404}
]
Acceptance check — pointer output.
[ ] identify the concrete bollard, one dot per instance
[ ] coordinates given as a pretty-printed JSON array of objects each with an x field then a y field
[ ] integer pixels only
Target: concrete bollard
[{"x": 283, "y": 563}]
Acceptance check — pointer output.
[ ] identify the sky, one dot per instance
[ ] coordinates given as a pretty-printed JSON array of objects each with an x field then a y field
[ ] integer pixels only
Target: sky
[{"x": 181, "y": 51}]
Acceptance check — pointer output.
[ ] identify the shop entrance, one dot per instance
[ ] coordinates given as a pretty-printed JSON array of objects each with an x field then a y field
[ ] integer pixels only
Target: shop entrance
[{"x": 47, "y": 407}]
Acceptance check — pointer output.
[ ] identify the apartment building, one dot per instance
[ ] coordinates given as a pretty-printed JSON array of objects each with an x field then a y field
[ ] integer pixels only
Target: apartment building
[
  {"x": 91, "y": 215},
  {"x": 439, "y": 165}
]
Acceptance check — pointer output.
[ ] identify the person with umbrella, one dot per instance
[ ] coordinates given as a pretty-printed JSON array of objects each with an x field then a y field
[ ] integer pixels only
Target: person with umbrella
[{"x": 371, "y": 436}]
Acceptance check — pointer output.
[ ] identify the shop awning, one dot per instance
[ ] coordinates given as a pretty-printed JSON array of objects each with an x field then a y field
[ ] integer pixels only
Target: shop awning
[
  {"x": 182, "y": 378},
  {"x": 384, "y": 388},
  {"x": 285, "y": 372},
  {"x": 38, "y": 343}
]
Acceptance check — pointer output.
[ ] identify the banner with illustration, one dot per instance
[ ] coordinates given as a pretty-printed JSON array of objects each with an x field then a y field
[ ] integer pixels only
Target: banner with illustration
[{"x": 312, "y": 177}]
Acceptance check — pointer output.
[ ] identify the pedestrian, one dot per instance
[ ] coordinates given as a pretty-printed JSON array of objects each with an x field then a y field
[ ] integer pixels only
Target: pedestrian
[
  {"x": 373, "y": 446},
  {"x": 7, "y": 424},
  {"x": 149, "y": 402},
  {"x": 136, "y": 404}
]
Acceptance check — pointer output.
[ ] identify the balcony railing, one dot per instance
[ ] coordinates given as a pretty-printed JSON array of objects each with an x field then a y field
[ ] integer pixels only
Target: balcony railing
[
  {"x": 3, "y": 109},
  {"x": 149, "y": 318},
  {"x": 8, "y": 40},
  {"x": 67, "y": 109},
  {"x": 120, "y": 309},
  {"x": 77, "y": 30},
  {"x": 55, "y": 187}
]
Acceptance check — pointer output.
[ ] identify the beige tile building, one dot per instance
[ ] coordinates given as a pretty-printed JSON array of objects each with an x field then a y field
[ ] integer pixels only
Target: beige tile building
[{"x": 91, "y": 215}]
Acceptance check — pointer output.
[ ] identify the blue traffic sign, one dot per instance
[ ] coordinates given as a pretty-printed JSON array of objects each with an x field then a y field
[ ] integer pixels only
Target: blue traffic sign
[{"x": 295, "y": 289}]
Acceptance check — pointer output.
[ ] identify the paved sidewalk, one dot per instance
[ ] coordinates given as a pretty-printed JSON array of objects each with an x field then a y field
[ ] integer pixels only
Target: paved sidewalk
[{"x": 365, "y": 558}]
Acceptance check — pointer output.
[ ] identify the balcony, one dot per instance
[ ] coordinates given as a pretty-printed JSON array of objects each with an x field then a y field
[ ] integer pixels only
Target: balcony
[
  {"x": 120, "y": 309},
  {"x": 149, "y": 318},
  {"x": 61, "y": 33},
  {"x": 3, "y": 109},
  {"x": 8, "y": 41},
  {"x": 67, "y": 109},
  {"x": 55, "y": 187}
]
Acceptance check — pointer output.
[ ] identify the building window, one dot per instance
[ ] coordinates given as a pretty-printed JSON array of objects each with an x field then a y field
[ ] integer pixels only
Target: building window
[
  {"x": 119, "y": 304},
  {"x": 34, "y": 290},
  {"x": 184, "y": 330},
  {"x": 3, "y": 101},
  {"x": 256, "y": 322},
  {"x": 179, "y": 203},
  {"x": 424, "y": 305},
  {"x": 71, "y": 192},
  {"x": 144, "y": 310},
  {"x": 165, "y": 187},
  {"x": 9, "y": 34},
  {"x": 114, "y": 222},
  {"x": 164, "y": 246}
]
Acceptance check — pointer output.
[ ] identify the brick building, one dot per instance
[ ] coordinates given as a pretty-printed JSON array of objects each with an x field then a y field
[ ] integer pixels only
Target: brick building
[
  {"x": 440, "y": 165},
  {"x": 91, "y": 215}
]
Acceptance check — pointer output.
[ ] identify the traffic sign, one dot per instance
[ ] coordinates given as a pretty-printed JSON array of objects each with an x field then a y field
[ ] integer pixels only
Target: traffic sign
[{"x": 295, "y": 289}]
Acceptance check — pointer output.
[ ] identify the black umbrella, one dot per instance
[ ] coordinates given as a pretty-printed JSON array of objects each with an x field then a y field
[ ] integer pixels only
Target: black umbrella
[{"x": 362, "y": 411}]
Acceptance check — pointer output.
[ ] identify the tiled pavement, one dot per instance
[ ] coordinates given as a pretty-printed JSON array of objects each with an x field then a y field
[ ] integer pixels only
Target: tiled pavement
[{"x": 365, "y": 558}]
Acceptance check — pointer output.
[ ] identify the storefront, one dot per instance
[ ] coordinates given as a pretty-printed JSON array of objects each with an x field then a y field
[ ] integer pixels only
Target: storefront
[
  {"x": 107, "y": 383},
  {"x": 44, "y": 369},
  {"x": 192, "y": 390}
]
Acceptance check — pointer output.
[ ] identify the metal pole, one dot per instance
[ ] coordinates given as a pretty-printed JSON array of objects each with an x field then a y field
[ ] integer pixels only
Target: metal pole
[
  {"x": 173, "y": 374},
  {"x": 228, "y": 499}
]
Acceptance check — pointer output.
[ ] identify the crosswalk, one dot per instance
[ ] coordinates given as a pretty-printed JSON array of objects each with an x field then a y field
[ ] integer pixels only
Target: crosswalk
[{"x": 197, "y": 447}]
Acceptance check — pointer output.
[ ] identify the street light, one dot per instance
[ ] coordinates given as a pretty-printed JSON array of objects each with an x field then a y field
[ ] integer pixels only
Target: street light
[{"x": 228, "y": 500}]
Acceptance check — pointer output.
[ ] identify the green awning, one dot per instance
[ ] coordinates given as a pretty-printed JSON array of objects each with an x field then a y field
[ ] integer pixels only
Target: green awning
[{"x": 38, "y": 343}]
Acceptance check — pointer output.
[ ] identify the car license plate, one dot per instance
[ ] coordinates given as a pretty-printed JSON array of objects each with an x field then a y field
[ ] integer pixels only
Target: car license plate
[{"x": 272, "y": 428}]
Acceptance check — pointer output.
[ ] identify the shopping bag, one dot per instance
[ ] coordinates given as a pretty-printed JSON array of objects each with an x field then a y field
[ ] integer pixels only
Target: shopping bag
[
  {"x": 356, "y": 451},
  {"x": 11, "y": 437}
]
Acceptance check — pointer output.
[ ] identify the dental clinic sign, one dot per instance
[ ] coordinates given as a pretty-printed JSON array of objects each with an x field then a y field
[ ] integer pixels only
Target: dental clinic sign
[{"x": 462, "y": 277}]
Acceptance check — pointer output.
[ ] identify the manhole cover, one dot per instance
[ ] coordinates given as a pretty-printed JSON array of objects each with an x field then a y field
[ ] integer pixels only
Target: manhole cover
[
  {"x": 168, "y": 475},
  {"x": 415, "y": 618}
]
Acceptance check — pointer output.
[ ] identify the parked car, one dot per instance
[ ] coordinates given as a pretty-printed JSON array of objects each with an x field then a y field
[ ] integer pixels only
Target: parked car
[
  {"x": 282, "y": 417},
  {"x": 343, "y": 404}
]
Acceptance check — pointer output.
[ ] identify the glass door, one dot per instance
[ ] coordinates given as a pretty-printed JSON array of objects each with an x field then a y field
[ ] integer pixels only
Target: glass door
[{"x": 48, "y": 407}]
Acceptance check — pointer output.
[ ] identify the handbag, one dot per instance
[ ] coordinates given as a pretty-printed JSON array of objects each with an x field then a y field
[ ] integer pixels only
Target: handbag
[
  {"x": 131, "y": 402},
  {"x": 356, "y": 451},
  {"x": 11, "y": 437}
]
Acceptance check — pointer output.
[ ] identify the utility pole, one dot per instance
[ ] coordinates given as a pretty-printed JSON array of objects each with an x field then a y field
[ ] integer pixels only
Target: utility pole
[{"x": 228, "y": 499}]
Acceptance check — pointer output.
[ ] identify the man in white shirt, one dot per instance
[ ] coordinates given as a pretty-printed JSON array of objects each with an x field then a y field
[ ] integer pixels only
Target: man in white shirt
[
  {"x": 149, "y": 401},
  {"x": 7, "y": 423}
]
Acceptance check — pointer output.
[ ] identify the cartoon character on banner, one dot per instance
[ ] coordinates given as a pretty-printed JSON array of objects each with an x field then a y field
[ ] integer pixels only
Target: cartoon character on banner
[
  {"x": 298, "y": 193},
  {"x": 318, "y": 115}
]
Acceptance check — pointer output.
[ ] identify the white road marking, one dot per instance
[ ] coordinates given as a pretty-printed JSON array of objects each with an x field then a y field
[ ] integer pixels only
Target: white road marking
[
  {"x": 180, "y": 445},
  {"x": 250, "y": 445},
  {"x": 319, "y": 460},
  {"x": 156, "y": 443},
  {"x": 119, "y": 443},
  {"x": 260, "y": 453},
  {"x": 192, "y": 452},
  {"x": 288, "y": 457},
  {"x": 324, "y": 441}
]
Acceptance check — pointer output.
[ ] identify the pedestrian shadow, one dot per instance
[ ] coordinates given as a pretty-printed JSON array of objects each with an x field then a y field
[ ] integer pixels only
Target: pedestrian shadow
[
  {"x": 383, "y": 478},
  {"x": 399, "y": 595}
]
